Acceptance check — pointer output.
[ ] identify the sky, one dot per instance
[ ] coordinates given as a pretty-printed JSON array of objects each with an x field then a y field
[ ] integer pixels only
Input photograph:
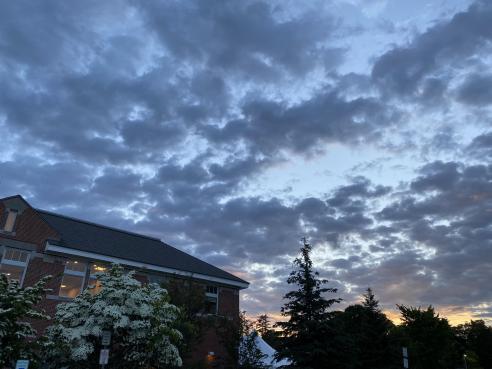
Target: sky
[{"x": 231, "y": 129}]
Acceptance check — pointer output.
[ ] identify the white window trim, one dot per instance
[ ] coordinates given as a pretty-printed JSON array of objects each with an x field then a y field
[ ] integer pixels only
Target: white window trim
[
  {"x": 216, "y": 296},
  {"x": 22, "y": 264}
]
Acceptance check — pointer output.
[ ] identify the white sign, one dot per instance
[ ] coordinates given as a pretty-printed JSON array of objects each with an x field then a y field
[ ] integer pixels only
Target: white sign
[
  {"x": 405, "y": 352},
  {"x": 106, "y": 338},
  {"x": 104, "y": 357},
  {"x": 405, "y": 363},
  {"x": 22, "y": 364}
]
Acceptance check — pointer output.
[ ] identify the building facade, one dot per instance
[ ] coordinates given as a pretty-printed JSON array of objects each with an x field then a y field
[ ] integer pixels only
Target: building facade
[{"x": 36, "y": 243}]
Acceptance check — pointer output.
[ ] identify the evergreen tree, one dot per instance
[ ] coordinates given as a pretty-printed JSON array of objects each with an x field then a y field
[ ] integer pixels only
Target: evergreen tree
[
  {"x": 307, "y": 331},
  {"x": 369, "y": 331},
  {"x": 17, "y": 336}
]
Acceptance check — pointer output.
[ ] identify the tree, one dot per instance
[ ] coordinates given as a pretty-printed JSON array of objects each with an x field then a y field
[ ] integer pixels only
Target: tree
[
  {"x": 139, "y": 317},
  {"x": 189, "y": 297},
  {"x": 477, "y": 339},
  {"x": 369, "y": 331},
  {"x": 262, "y": 324},
  {"x": 307, "y": 331},
  {"x": 269, "y": 335},
  {"x": 250, "y": 355},
  {"x": 17, "y": 336},
  {"x": 430, "y": 339}
]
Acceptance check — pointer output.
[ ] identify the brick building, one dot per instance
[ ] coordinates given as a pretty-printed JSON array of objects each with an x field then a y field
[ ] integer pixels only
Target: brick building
[{"x": 35, "y": 243}]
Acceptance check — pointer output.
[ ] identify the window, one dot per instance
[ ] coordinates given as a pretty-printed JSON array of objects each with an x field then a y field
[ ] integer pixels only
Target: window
[
  {"x": 10, "y": 221},
  {"x": 211, "y": 300},
  {"x": 14, "y": 264},
  {"x": 73, "y": 279},
  {"x": 96, "y": 268}
]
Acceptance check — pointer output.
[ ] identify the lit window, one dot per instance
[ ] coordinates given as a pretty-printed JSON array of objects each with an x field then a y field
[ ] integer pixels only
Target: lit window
[
  {"x": 73, "y": 279},
  {"x": 10, "y": 221},
  {"x": 211, "y": 300},
  {"x": 14, "y": 264},
  {"x": 96, "y": 268}
]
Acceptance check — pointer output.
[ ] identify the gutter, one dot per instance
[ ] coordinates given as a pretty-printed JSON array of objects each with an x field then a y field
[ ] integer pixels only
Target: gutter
[{"x": 111, "y": 259}]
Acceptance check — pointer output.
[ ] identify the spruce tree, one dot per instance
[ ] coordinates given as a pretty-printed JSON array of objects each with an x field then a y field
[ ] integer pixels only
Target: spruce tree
[{"x": 307, "y": 331}]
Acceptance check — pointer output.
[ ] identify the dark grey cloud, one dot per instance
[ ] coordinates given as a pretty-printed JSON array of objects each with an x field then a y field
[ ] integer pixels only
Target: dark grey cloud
[
  {"x": 251, "y": 38},
  {"x": 268, "y": 127},
  {"x": 476, "y": 90},
  {"x": 481, "y": 146},
  {"x": 422, "y": 67},
  {"x": 157, "y": 116}
]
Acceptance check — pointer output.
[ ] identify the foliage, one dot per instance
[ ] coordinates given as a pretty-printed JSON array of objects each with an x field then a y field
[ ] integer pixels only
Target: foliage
[
  {"x": 262, "y": 324},
  {"x": 477, "y": 342},
  {"x": 430, "y": 339},
  {"x": 17, "y": 336},
  {"x": 139, "y": 316},
  {"x": 368, "y": 329},
  {"x": 266, "y": 331},
  {"x": 308, "y": 328},
  {"x": 250, "y": 355},
  {"x": 189, "y": 297}
]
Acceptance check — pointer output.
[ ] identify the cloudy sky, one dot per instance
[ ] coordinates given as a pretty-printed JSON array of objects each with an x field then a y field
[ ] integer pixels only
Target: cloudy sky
[{"x": 231, "y": 129}]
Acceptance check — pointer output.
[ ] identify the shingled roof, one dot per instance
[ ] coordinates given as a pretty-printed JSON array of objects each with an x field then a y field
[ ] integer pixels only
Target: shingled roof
[{"x": 98, "y": 239}]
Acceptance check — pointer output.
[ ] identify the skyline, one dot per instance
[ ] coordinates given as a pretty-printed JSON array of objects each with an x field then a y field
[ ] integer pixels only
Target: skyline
[{"x": 231, "y": 130}]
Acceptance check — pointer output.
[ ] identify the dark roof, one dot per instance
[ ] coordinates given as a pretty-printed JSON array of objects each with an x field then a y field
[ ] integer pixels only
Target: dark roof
[{"x": 90, "y": 237}]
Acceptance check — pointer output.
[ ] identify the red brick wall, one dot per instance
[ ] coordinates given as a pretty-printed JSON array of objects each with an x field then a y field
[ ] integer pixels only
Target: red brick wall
[
  {"x": 212, "y": 341},
  {"x": 229, "y": 302},
  {"x": 31, "y": 228}
]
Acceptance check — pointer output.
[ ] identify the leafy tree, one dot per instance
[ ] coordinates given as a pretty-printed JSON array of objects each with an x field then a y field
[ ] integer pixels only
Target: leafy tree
[
  {"x": 307, "y": 331},
  {"x": 250, "y": 355},
  {"x": 263, "y": 325},
  {"x": 369, "y": 330},
  {"x": 477, "y": 339},
  {"x": 139, "y": 316},
  {"x": 265, "y": 329},
  {"x": 189, "y": 297},
  {"x": 430, "y": 339},
  {"x": 17, "y": 305}
]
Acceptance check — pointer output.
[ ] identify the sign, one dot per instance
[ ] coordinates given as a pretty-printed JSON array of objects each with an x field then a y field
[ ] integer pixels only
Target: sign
[
  {"x": 405, "y": 363},
  {"x": 405, "y": 352},
  {"x": 106, "y": 338},
  {"x": 22, "y": 364},
  {"x": 104, "y": 356}
]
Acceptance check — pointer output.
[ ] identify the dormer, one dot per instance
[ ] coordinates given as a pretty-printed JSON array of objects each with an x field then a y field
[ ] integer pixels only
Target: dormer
[
  {"x": 12, "y": 207},
  {"x": 9, "y": 218}
]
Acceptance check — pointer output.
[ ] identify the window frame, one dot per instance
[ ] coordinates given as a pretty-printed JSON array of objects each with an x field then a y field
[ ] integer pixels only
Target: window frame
[
  {"x": 17, "y": 263},
  {"x": 74, "y": 273},
  {"x": 213, "y": 295}
]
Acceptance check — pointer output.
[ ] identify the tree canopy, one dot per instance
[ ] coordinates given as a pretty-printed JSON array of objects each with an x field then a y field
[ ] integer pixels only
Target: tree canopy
[{"x": 139, "y": 317}]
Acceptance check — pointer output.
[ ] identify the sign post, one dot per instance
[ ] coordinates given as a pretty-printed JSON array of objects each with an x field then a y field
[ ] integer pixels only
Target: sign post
[
  {"x": 104, "y": 354},
  {"x": 22, "y": 364},
  {"x": 405, "y": 357}
]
